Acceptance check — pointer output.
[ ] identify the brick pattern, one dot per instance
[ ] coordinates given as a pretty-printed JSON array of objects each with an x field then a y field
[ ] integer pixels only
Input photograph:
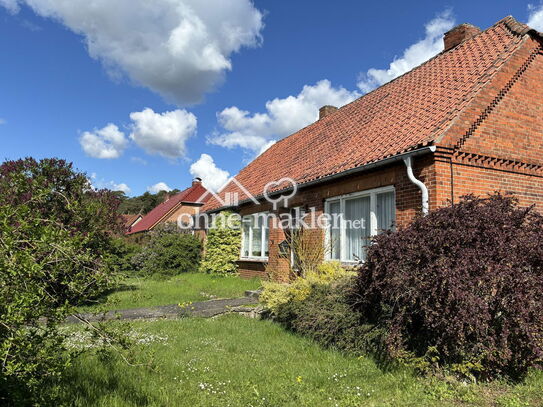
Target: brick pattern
[
  {"x": 408, "y": 205},
  {"x": 411, "y": 111},
  {"x": 489, "y": 139}
]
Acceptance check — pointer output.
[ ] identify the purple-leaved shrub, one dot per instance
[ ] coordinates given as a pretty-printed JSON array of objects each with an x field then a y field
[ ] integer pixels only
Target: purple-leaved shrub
[{"x": 461, "y": 288}]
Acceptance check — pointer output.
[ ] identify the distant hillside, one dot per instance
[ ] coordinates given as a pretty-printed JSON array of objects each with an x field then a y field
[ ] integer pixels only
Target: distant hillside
[{"x": 143, "y": 203}]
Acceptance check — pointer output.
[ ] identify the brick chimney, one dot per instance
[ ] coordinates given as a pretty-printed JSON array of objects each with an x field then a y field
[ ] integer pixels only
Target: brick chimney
[
  {"x": 326, "y": 110},
  {"x": 196, "y": 181},
  {"x": 459, "y": 34}
]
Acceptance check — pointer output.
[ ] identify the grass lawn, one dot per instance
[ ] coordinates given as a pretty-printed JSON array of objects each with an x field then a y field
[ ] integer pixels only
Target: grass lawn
[
  {"x": 141, "y": 292},
  {"x": 235, "y": 361}
]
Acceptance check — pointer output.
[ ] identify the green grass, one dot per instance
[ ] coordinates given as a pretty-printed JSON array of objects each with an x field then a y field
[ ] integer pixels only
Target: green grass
[
  {"x": 142, "y": 292},
  {"x": 235, "y": 361}
]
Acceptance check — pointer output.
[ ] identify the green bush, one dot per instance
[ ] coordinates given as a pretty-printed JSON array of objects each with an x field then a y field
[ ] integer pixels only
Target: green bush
[
  {"x": 275, "y": 294},
  {"x": 123, "y": 255},
  {"x": 223, "y": 245},
  {"x": 327, "y": 316},
  {"x": 55, "y": 233},
  {"x": 169, "y": 253}
]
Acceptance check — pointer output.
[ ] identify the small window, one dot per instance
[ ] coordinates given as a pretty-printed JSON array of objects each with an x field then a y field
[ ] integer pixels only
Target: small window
[
  {"x": 355, "y": 218},
  {"x": 255, "y": 236}
]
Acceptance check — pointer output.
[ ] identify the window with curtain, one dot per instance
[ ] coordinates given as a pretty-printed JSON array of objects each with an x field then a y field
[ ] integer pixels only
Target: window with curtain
[
  {"x": 355, "y": 218},
  {"x": 255, "y": 236}
]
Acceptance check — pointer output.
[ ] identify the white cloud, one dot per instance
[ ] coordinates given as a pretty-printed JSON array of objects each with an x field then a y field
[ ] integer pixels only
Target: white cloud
[
  {"x": 2, "y": 121},
  {"x": 413, "y": 56},
  {"x": 535, "y": 17},
  {"x": 283, "y": 117},
  {"x": 108, "y": 142},
  {"x": 11, "y": 5},
  {"x": 120, "y": 187},
  {"x": 161, "y": 186},
  {"x": 212, "y": 177},
  {"x": 163, "y": 133},
  {"x": 178, "y": 48},
  {"x": 138, "y": 160},
  {"x": 102, "y": 184}
]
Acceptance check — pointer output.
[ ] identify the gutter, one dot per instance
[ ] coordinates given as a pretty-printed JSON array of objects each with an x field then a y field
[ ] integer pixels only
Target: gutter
[{"x": 399, "y": 157}]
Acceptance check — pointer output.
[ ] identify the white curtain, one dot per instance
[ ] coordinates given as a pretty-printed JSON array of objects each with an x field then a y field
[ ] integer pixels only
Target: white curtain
[
  {"x": 335, "y": 230},
  {"x": 357, "y": 227},
  {"x": 256, "y": 244},
  {"x": 246, "y": 237},
  {"x": 385, "y": 211}
]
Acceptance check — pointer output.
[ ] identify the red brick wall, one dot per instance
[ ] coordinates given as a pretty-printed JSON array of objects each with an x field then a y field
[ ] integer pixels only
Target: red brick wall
[
  {"x": 503, "y": 149},
  {"x": 408, "y": 204}
]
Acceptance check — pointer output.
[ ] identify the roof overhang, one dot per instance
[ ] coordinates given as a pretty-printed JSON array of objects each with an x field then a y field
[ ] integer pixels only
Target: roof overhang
[{"x": 356, "y": 170}]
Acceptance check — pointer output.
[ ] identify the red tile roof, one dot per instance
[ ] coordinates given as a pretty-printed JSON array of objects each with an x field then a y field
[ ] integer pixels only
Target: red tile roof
[
  {"x": 407, "y": 113},
  {"x": 129, "y": 219},
  {"x": 195, "y": 194}
]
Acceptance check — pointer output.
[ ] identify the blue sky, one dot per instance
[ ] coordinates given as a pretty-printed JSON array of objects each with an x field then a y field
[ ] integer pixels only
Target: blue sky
[{"x": 139, "y": 92}]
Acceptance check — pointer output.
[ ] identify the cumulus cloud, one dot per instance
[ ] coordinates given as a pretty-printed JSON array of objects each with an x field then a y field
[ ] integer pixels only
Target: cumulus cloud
[
  {"x": 112, "y": 185},
  {"x": 108, "y": 142},
  {"x": 120, "y": 187},
  {"x": 212, "y": 176},
  {"x": 413, "y": 56},
  {"x": 163, "y": 133},
  {"x": 535, "y": 17},
  {"x": 257, "y": 131},
  {"x": 178, "y": 48},
  {"x": 160, "y": 186}
]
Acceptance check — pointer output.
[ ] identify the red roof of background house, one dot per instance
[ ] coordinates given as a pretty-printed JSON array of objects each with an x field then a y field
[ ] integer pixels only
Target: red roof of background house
[
  {"x": 407, "y": 113},
  {"x": 195, "y": 194},
  {"x": 128, "y": 219}
]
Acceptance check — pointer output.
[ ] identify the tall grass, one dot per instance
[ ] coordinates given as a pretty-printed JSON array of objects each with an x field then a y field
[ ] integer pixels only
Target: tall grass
[{"x": 235, "y": 361}]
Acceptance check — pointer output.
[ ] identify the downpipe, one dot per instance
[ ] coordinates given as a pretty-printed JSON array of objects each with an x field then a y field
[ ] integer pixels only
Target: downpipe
[{"x": 408, "y": 161}]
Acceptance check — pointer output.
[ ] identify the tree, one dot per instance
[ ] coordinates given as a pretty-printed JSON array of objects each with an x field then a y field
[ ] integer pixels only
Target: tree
[{"x": 55, "y": 233}]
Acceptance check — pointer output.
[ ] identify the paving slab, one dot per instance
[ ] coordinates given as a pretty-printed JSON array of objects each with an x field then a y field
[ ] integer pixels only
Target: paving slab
[{"x": 205, "y": 309}]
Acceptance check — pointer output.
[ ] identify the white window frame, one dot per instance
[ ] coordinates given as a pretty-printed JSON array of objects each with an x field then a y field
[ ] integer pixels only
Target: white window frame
[
  {"x": 372, "y": 193},
  {"x": 265, "y": 227}
]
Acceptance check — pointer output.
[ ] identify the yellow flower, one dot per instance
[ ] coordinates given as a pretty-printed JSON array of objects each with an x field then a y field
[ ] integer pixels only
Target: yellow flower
[{"x": 299, "y": 379}]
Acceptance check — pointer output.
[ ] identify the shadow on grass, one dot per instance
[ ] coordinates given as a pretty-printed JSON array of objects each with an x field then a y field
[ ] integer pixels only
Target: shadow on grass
[
  {"x": 102, "y": 298},
  {"x": 91, "y": 386}
]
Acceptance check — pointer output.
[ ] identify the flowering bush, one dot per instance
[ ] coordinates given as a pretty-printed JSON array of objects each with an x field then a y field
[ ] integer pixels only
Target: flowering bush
[{"x": 461, "y": 287}]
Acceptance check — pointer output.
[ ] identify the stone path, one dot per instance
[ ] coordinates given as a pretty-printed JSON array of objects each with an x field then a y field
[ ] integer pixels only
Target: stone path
[{"x": 205, "y": 309}]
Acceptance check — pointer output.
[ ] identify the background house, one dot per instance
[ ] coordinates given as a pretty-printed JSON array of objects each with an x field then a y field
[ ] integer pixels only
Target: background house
[
  {"x": 467, "y": 121},
  {"x": 185, "y": 203}
]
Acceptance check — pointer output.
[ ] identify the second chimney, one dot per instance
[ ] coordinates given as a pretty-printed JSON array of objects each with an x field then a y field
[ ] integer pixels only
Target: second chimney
[
  {"x": 459, "y": 34},
  {"x": 326, "y": 110},
  {"x": 196, "y": 181}
]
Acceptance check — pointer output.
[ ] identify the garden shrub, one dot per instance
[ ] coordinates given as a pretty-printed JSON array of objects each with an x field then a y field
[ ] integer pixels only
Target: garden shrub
[
  {"x": 169, "y": 252},
  {"x": 222, "y": 246},
  {"x": 275, "y": 294},
  {"x": 55, "y": 234},
  {"x": 461, "y": 288},
  {"x": 124, "y": 254}
]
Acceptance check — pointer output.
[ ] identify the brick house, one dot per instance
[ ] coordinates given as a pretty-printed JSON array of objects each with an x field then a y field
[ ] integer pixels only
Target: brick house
[
  {"x": 184, "y": 204},
  {"x": 470, "y": 120}
]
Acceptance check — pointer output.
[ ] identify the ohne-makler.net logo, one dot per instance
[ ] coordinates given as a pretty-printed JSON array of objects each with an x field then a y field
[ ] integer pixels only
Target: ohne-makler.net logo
[{"x": 292, "y": 219}]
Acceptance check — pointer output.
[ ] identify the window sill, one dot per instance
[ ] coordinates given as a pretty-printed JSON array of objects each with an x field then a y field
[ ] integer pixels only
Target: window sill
[{"x": 254, "y": 259}]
